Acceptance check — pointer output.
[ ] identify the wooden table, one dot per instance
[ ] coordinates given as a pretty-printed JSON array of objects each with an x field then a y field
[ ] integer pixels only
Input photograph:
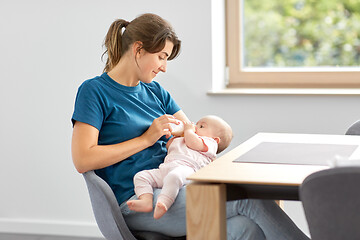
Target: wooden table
[{"x": 224, "y": 180}]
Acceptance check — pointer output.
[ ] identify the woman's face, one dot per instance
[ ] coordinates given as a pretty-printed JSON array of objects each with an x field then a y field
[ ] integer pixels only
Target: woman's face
[{"x": 150, "y": 64}]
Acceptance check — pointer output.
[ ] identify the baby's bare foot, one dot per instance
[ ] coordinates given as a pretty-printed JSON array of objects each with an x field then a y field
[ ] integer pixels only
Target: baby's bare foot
[
  {"x": 140, "y": 205},
  {"x": 160, "y": 210}
]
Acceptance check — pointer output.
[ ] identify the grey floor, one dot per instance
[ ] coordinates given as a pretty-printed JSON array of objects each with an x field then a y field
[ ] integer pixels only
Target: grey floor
[{"x": 11, "y": 236}]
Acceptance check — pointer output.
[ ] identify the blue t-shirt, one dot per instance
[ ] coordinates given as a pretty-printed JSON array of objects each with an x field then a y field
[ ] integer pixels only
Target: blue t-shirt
[{"x": 122, "y": 113}]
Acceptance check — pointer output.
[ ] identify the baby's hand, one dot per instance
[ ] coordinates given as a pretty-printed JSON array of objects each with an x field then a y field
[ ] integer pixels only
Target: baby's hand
[{"x": 189, "y": 126}]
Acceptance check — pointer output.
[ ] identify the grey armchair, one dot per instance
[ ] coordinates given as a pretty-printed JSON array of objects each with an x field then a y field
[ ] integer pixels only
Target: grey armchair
[
  {"x": 354, "y": 129},
  {"x": 331, "y": 203},
  {"x": 108, "y": 215}
]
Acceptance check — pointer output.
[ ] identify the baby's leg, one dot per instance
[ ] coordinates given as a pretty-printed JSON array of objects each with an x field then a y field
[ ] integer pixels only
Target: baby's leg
[
  {"x": 142, "y": 204},
  {"x": 144, "y": 182},
  {"x": 173, "y": 181}
]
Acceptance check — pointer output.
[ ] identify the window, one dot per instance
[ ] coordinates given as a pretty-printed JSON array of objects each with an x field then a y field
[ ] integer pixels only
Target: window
[{"x": 293, "y": 43}]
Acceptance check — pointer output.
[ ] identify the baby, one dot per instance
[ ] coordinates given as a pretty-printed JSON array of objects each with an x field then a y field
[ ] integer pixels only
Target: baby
[{"x": 198, "y": 147}]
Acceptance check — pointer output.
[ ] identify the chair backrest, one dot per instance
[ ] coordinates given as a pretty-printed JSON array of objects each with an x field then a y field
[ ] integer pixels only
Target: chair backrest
[
  {"x": 331, "y": 201},
  {"x": 106, "y": 209},
  {"x": 354, "y": 129},
  {"x": 108, "y": 214}
]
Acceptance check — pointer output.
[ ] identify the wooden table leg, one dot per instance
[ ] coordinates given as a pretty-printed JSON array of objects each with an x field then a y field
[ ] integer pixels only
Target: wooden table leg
[{"x": 206, "y": 211}]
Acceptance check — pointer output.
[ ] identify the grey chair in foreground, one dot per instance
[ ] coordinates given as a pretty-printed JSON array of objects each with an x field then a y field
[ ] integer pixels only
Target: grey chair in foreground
[
  {"x": 108, "y": 215},
  {"x": 354, "y": 129},
  {"x": 331, "y": 203}
]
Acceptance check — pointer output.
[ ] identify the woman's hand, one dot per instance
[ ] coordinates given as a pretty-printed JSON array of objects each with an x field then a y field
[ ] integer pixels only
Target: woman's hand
[{"x": 159, "y": 127}]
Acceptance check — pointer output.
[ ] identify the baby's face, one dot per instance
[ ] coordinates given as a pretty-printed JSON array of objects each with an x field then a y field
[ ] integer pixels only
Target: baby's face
[{"x": 207, "y": 127}]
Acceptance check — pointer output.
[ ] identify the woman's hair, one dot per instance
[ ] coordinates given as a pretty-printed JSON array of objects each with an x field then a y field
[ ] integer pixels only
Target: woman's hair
[{"x": 149, "y": 29}]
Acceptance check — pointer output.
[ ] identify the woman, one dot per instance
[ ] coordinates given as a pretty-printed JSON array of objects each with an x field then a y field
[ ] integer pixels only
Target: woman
[{"x": 121, "y": 126}]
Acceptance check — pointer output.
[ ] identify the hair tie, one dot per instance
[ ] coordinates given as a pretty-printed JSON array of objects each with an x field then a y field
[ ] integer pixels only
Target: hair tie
[{"x": 123, "y": 26}]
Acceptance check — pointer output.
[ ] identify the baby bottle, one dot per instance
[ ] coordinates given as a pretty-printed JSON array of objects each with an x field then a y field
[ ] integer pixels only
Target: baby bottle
[{"x": 177, "y": 129}]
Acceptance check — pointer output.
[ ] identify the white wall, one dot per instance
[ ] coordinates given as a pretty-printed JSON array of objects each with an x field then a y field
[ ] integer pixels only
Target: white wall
[{"x": 49, "y": 47}]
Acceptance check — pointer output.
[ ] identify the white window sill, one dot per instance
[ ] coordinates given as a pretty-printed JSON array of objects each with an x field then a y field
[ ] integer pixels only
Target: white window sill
[{"x": 285, "y": 91}]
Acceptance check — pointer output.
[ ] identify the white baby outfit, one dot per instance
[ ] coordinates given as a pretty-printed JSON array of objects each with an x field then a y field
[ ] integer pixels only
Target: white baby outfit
[{"x": 180, "y": 162}]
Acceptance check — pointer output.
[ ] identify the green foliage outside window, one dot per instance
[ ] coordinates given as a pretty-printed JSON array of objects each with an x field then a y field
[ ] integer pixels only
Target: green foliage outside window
[{"x": 301, "y": 33}]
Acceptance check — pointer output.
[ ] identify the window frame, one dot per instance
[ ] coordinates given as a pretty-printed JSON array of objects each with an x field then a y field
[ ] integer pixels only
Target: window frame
[{"x": 239, "y": 77}]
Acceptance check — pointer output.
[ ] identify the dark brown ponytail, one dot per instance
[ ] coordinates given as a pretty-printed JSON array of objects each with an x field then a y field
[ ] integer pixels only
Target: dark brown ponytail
[
  {"x": 150, "y": 29},
  {"x": 113, "y": 44}
]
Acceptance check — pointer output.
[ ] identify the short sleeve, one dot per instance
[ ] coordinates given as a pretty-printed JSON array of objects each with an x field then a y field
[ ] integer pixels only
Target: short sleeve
[
  {"x": 169, "y": 104},
  {"x": 212, "y": 147},
  {"x": 88, "y": 105}
]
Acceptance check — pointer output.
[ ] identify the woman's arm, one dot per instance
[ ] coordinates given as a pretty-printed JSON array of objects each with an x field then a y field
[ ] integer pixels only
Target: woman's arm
[
  {"x": 88, "y": 155},
  {"x": 181, "y": 116}
]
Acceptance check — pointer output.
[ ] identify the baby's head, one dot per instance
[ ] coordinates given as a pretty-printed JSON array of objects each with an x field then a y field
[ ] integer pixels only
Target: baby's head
[{"x": 216, "y": 128}]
